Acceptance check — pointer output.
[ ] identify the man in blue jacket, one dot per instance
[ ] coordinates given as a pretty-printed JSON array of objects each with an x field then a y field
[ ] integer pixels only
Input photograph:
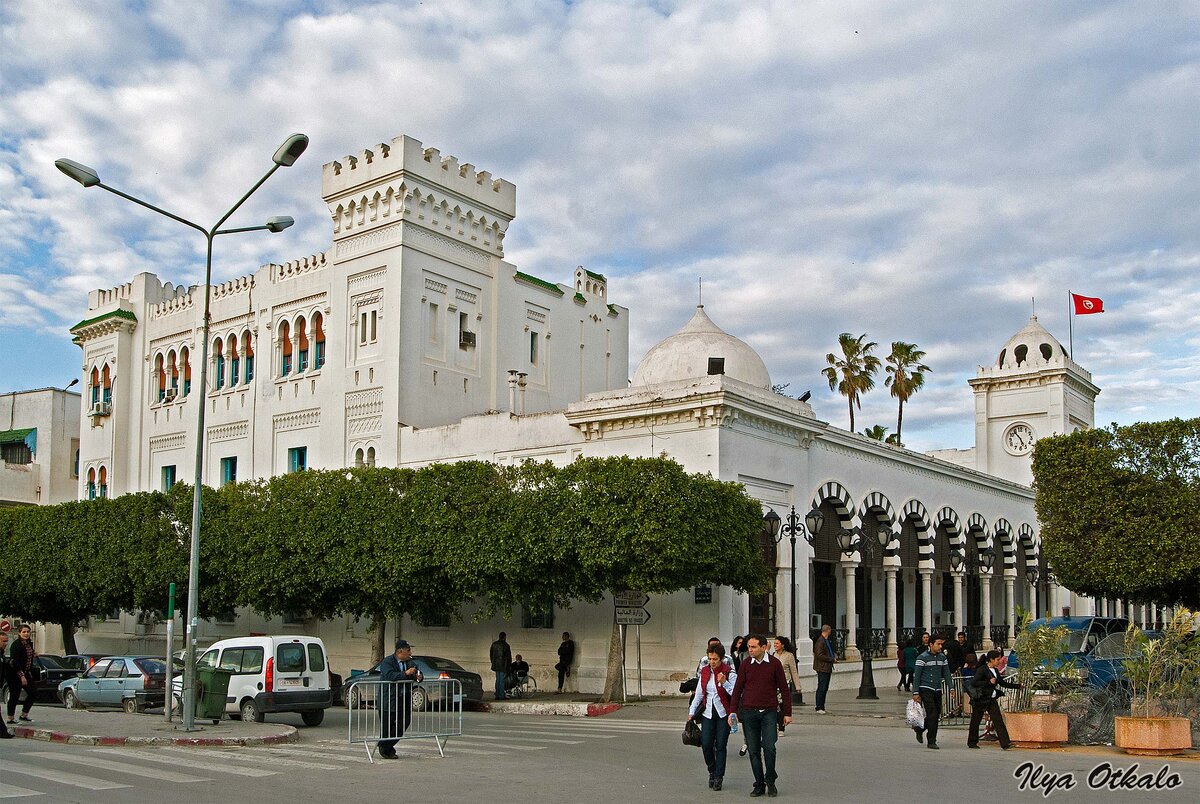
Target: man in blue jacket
[
  {"x": 933, "y": 669},
  {"x": 395, "y": 699}
]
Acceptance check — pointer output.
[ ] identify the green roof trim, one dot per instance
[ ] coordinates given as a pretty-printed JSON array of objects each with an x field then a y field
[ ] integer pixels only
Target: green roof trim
[
  {"x": 126, "y": 314},
  {"x": 595, "y": 275},
  {"x": 541, "y": 283},
  {"x": 13, "y": 436},
  {"x": 612, "y": 310},
  {"x": 580, "y": 299}
]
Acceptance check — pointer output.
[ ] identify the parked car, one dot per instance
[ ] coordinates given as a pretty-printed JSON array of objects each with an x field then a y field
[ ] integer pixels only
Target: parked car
[
  {"x": 53, "y": 673},
  {"x": 270, "y": 674},
  {"x": 1103, "y": 667},
  {"x": 132, "y": 683},
  {"x": 427, "y": 696},
  {"x": 1084, "y": 634},
  {"x": 81, "y": 661}
]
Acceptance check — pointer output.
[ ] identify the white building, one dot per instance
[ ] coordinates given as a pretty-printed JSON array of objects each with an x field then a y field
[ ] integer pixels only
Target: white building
[
  {"x": 39, "y": 447},
  {"x": 411, "y": 341}
]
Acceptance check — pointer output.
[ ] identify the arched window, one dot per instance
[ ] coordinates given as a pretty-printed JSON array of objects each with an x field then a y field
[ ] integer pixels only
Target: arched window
[
  {"x": 103, "y": 478},
  {"x": 91, "y": 483},
  {"x": 248, "y": 356},
  {"x": 218, "y": 349},
  {"x": 234, "y": 363},
  {"x": 95, "y": 385},
  {"x": 302, "y": 359},
  {"x": 185, "y": 358},
  {"x": 173, "y": 371},
  {"x": 370, "y": 456},
  {"x": 319, "y": 339},
  {"x": 106, "y": 381},
  {"x": 160, "y": 378},
  {"x": 358, "y": 458},
  {"x": 285, "y": 349}
]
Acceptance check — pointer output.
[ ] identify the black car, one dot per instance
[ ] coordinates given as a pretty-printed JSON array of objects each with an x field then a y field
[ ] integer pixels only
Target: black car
[
  {"x": 432, "y": 668},
  {"x": 81, "y": 662},
  {"x": 53, "y": 674}
]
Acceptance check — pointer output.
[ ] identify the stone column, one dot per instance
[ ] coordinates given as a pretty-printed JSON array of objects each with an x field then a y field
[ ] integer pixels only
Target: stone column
[
  {"x": 1010, "y": 594},
  {"x": 890, "y": 613},
  {"x": 960, "y": 608},
  {"x": 927, "y": 597},
  {"x": 985, "y": 614},
  {"x": 852, "y": 654}
]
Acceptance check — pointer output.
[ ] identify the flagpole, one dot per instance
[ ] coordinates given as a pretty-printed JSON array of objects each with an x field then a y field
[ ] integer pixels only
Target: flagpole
[{"x": 1070, "y": 326}]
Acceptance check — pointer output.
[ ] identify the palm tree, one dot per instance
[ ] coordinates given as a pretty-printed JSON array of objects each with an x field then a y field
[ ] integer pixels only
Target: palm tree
[
  {"x": 876, "y": 431},
  {"x": 852, "y": 374},
  {"x": 906, "y": 375}
]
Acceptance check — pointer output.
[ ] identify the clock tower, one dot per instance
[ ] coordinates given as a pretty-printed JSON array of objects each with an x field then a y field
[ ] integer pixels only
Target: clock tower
[{"x": 1033, "y": 390}]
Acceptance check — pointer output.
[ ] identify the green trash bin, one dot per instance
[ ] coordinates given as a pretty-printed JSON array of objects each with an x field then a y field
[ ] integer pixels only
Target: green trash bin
[{"x": 211, "y": 691}]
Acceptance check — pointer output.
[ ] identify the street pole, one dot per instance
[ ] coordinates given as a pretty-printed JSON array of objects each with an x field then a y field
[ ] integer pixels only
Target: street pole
[
  {"x": 170, "y": 682},
  {"x": 285, "y": 156}
]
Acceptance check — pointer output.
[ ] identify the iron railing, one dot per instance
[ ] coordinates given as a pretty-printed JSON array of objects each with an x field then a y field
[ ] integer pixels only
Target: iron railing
[
  {"x": 871, "y": 642},
  {"x": 1000, "y": 637}
]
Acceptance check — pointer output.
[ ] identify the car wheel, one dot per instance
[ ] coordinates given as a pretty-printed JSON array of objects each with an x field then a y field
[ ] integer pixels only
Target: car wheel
[
  {"x": 353, "y": 699},
  {"x": 130, "y": 705},
  {"x": 313, "y": 718},
  {"x": 250, "y": 713},
  {"x": 71, "y": 700},
  {"x": 420, "y": 699}
]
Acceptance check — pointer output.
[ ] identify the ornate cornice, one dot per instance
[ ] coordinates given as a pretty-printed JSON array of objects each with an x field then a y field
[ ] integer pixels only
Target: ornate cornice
[
  {"x": 167, "y": 441},
  {"x": 364, "y": 403},
  {"x": 228, "y": 432},
  {"x": 298, "y": 420},
  {"x": 104, "y": 324}
]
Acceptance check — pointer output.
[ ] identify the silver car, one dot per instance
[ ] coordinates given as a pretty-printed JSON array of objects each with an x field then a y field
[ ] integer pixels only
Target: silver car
[{"x": 132, "y": 683}]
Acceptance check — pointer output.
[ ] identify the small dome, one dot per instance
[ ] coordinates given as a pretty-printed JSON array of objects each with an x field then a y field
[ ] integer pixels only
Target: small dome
[
  {"x": 699, "y": 349},
  {"x": 1033, "y": 344}
]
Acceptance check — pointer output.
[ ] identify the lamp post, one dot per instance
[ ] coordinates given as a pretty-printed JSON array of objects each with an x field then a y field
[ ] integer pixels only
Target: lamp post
[
  {"x": 973, "y": 566},
  {"x": 285, "y": 156},
  {"x": 793, "y": 526},
  {"x": 851, "y": 541}
]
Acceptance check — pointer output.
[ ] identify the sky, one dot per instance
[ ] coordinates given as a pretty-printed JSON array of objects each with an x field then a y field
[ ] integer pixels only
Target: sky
[{"x": 919, "y": 172}]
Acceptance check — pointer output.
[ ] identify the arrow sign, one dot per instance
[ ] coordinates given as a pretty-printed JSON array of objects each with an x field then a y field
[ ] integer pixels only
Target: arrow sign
[
  {"x": 632, "y": 615},
  {"x": 630, "y": 599}
]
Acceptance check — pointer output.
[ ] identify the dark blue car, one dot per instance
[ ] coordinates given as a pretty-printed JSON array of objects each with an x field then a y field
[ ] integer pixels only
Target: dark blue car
[{"x": 1084, "y": 635}]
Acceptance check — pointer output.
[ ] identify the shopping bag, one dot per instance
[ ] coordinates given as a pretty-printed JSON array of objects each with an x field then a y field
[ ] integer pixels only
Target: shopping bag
[
  {"x": 691, "y": 733},
  {"x": 915, "y": 715}
]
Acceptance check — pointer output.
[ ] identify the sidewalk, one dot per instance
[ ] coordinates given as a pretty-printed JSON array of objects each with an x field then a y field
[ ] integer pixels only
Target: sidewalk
[{"x": 115, "y": 728}]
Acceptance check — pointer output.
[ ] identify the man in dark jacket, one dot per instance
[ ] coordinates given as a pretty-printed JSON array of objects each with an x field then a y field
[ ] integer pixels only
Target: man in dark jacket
[
  {"x": 24, "y": 672},
  {"x": 8, "y": 680},
  {"x": 395, "y": 699},
  {"x": 932, "y": 671},
  {"x": 986, "y": 693},
  {"x": 501, "y": 656},
  {"x": 566, "y": 655},
  {"x": 760, "y": 691},
  {"x": 824, "y": 658}
]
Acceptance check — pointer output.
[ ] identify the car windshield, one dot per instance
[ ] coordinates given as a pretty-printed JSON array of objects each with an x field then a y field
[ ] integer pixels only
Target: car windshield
[
  {"x": 1075, "y": 640},
  {"x": 438, "y": 663},
  {"x": 154, "y": 667},
  {"x": 52, "y": 664}
]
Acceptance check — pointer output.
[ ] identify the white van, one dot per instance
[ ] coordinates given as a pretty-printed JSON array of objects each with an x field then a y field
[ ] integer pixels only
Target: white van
[{"x": 271, "y": 674}]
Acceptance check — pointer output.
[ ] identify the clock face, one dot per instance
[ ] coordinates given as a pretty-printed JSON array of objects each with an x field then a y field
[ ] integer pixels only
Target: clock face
[{"x": 1019, "y": 438}]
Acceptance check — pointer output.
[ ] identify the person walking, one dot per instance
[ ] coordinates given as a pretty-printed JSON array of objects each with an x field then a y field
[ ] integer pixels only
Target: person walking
[
  {"x": 911, "y": 652},
  {"x": 986, "y": 693},
  {"x": 395, "y": 699},
  {"x": 26, "y": 674},
  {"x": 737, "y": 651},
  {"x": 760, "y": 695},
  {"x": 566, "y": 656},
  {"x": 786, "y": 654},
  {"x": 501, "y": 655},
  {"x": 824, "y": 658},
  {"x": 7, "y": 679},
  {"x": 932, "y": 671},
  {"x": 712, "y": 705}
]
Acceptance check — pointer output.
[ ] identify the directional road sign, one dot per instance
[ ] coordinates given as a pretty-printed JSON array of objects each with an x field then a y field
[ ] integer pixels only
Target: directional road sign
[
  {"x": 632, "y": 615},
  {"x": 630, "y": 599}
]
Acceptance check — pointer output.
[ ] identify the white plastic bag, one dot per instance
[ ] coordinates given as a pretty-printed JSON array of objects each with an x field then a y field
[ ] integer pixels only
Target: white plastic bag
[{"x": 915, "y": 715}]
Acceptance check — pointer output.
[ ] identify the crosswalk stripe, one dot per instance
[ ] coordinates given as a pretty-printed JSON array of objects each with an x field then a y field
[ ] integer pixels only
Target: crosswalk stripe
[
  {"x": 62, "y": 777},
  {"x": 454, "y": 745},
  {"x": 12, "y": 791},
  {"x": 507, "y": 738},
  {"x": 527, "y": 732},
  {"x": 295, "y": 763},
  {"x": 120, "y": 767},
  {"x": 151, "y": 755}
]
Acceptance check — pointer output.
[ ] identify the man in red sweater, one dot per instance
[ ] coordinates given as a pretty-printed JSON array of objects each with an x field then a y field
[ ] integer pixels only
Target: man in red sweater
[{"x": 760, "y": 691}]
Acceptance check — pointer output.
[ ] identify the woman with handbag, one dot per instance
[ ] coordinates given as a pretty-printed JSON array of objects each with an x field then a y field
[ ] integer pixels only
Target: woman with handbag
[
  {"x": 711, "y": 706},
  {"x": 26, "y": 672},
  {"x": 786, "y": 654}
]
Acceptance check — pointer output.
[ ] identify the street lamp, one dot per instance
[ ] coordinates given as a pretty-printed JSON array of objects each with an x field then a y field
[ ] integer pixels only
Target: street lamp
[
  {"x": 285, "y": 156},
  {"x": 793, "y": 527},
  {"x": 972, "y": 565},
  {"x": 851, "y": 541}
]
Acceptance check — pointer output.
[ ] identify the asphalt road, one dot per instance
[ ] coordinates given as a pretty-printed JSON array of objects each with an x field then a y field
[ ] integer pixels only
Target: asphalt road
[{"x": 632, "y": 755}]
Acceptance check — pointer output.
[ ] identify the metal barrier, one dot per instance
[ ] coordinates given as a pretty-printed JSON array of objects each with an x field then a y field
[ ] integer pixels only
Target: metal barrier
[{"x": 403, "y": 710}]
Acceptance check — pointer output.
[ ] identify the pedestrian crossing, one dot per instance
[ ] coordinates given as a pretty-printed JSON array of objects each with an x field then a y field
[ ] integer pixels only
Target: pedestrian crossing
[{"x": 49, "y": 773}]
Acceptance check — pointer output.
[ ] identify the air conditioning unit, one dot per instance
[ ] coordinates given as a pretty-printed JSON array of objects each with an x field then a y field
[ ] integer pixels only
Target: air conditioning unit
[
  {"x": 101, "y": 409},
  {"x": 466, "y": 339},
  {"x": 170, "y": 395}
]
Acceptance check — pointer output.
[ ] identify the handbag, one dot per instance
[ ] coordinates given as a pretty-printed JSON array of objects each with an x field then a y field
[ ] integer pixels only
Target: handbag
[
  {"x": 797, "y": 697},
  {"x": 689, "y": 685},
  {"x": 914, "y": 715},
  {"x": 691, "y": 733}
]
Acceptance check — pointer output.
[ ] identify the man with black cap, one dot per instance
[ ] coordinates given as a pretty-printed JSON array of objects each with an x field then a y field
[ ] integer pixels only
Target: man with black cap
[{"x": 395, "y": 700}]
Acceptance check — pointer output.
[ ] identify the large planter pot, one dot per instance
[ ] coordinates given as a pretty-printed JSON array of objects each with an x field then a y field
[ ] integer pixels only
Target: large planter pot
[
  {"x": 1153, "y": 736},
  {"x": 1036, "y": 729}
]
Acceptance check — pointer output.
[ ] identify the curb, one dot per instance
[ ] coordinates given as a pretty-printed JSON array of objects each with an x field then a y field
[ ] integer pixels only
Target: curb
[
  {"x": 564, "y": 709},
  {"x": 47, "y": 735}
]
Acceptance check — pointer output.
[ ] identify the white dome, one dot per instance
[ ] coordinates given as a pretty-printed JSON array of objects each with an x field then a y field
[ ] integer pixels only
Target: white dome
[
  {"x": 1033, "y": 344},
  {"x": 685, "y": 356}
]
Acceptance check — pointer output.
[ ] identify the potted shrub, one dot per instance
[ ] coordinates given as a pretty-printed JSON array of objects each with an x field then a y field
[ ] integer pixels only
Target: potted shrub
[
  {"x": 1046, "y": 673},
  {"x": 1163, "y": 674}
]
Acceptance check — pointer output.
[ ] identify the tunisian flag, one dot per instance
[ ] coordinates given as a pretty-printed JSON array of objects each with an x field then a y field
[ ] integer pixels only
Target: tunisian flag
[{"x": 1086, "y": 305}]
